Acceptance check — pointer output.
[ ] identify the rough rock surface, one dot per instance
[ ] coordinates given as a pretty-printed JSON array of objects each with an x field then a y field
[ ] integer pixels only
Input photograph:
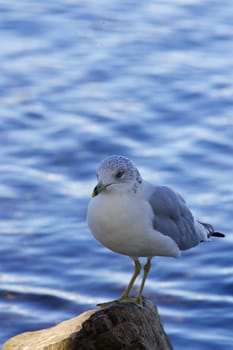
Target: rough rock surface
[{"x": 122, "y": 326}]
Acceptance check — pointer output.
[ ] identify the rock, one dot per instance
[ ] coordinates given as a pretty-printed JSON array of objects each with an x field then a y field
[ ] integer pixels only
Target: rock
[
  {"x": 59, "y": 337},
  {"x": 121, "y": 326}
]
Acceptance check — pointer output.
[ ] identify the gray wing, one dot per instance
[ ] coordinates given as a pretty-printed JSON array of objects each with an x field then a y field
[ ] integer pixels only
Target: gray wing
[{"x": 173, "y": 218}]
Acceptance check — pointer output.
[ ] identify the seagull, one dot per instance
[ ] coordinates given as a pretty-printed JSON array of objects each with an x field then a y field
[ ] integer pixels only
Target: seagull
[{"x": 133, "y": 217}]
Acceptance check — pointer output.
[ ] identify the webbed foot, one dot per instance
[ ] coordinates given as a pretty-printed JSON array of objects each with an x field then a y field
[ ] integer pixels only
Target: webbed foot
[{"x": 136, "y": 300}]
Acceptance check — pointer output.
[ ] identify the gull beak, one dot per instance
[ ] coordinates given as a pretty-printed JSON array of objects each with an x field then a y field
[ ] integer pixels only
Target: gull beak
[{"x": 98, "y": 188}]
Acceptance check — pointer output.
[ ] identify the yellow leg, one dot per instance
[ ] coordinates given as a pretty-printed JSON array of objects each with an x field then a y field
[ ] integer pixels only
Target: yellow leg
[
  {"x": 146, "y": 271},
  {"x": 125, "y": 295},
  {"x": 137, "y": 269}
]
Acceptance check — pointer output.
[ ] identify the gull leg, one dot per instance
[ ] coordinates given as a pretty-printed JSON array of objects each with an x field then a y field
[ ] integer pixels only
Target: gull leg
[
  {"x": 125, "y": 295},
  {"x": 137, "y": 269},
  {"x": 146, "y": 271}
]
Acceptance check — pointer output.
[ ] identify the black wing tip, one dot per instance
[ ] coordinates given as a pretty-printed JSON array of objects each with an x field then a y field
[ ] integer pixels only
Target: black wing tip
[
  {"x": 212, "y": 233},
  {"x": 217, "y": 234}
]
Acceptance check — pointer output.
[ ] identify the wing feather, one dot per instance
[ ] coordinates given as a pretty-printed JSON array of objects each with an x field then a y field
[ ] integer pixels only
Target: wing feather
[{"x": 173, "y": 218}]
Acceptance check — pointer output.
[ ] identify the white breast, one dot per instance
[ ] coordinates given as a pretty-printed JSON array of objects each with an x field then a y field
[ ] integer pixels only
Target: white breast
[{"x": 124, "y": 225}]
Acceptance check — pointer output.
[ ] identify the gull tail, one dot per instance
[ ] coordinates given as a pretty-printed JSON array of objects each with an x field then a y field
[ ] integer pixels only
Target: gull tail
[{"x": 210, "y": 230}]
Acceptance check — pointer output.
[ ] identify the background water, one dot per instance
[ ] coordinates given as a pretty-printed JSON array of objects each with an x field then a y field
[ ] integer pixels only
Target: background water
[{"x": 80, "y": 80}]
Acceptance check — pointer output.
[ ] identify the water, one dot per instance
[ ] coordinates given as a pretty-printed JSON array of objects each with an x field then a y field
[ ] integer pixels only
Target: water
[{"x": 81, "y": 80}]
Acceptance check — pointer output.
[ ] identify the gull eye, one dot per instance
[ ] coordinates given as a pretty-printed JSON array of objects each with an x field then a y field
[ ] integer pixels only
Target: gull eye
[{"x": 119, "y": 174}]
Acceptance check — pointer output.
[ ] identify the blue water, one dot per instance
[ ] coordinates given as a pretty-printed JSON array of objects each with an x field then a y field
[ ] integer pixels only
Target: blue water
[{"x": 80, "y": 80}]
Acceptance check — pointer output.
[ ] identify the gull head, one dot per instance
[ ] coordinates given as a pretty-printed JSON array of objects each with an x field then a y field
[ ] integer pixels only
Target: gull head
[{"x": 117, "y": 174}]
